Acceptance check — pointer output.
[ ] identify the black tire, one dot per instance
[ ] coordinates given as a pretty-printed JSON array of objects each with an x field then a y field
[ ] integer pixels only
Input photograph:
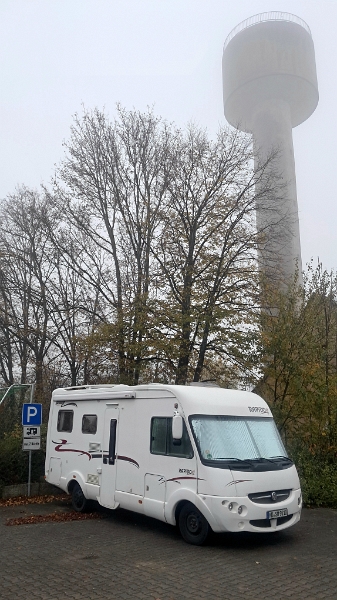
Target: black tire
[
  {"x": 193, "y": 525},
  {"x": 78, "y": 499}
]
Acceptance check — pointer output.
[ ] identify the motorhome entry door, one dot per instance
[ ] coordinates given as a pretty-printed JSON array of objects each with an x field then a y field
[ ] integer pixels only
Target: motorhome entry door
[{"x": 110, "y": 437}]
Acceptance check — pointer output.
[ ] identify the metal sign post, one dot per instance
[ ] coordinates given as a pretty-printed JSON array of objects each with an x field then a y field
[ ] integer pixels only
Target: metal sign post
[{"x": 31, "y": 421}]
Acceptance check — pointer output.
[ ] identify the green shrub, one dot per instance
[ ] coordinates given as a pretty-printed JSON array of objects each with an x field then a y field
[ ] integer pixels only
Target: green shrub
[
  {"x": 14, "y": 461},
  {"x": 318, "y": 475}
]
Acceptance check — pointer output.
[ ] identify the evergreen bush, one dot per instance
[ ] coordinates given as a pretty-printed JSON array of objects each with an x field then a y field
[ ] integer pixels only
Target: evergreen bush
[{"x": 14, "y": 461}]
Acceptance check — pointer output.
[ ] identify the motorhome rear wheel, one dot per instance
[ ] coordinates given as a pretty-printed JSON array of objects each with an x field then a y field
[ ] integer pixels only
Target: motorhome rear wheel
[{"x": 78, "y": 499}]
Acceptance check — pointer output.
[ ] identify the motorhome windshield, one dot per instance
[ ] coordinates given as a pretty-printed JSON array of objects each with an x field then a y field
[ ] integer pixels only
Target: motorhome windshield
[{"x": 245, "y": 443}]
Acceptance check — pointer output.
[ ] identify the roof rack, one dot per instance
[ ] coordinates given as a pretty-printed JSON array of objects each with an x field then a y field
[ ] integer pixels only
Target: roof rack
[
  {"x": 97, "y": 386},
  {"x": 206, "y": 383}
]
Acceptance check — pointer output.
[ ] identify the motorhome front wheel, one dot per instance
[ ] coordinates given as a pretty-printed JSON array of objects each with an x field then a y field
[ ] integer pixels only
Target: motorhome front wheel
[{"x": 193, "y": 525}]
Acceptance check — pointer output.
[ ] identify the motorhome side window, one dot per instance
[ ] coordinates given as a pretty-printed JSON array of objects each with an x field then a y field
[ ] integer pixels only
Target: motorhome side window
[
  {"x": 162, "y": 442},
  {"x": 89, "y": 424},
  {"x": 65, "y": 420}
]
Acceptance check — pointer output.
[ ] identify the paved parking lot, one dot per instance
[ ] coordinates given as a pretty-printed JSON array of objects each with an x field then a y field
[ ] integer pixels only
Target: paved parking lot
[{"x": 126, "y": 556}]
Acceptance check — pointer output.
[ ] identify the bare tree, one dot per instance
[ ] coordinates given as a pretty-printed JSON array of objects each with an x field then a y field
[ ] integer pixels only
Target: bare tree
[
  {"x": 208, "y": 248},
  {"x": 141, "y": 262},
  {"x": 115, "y": 178},
  {"x": 7, "y": 341},
  {"x": 25, "y": 275},
  {"x": 70, "y": 315}
]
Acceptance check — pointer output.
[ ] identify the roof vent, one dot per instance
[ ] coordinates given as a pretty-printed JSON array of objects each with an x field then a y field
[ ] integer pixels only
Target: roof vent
[{"x": 206, "y": 383}]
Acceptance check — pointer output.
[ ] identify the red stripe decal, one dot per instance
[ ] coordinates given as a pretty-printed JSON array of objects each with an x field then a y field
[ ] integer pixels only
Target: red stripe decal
[
  {"x": 177, "y": 479},
  {"x": 127, "y": 459},
  {"x": 238, "y": 481},
  {"x": 59, "y": 449}
]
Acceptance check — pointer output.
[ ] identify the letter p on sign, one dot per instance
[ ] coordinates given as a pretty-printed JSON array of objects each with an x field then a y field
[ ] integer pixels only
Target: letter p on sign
[{"x": 31, "y": 414}]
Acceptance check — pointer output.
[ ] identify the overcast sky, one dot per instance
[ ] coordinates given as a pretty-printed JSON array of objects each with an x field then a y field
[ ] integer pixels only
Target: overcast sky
[{"x": 59, "y": 54}]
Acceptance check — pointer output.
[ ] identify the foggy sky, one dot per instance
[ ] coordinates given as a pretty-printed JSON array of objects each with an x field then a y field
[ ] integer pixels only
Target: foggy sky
[{"x": 59, "y": 54}]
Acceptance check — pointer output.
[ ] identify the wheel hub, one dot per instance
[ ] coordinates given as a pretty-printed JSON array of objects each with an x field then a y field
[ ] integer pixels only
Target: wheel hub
[{"x": 193, "y": 524}]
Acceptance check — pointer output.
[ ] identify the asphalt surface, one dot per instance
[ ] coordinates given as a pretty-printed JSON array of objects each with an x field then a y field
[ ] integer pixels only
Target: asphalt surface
[{"x": 127, "y": 556}]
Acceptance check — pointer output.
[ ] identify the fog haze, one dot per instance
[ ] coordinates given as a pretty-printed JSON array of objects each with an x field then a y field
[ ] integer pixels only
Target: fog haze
[{"x": 59, "y": 54}]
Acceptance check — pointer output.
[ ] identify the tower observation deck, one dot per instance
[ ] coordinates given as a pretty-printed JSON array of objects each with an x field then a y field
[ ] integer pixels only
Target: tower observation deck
[{"x": 269, "y": 87}]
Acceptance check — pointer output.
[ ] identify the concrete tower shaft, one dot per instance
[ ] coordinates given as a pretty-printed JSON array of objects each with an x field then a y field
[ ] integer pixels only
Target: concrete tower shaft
[{"x": 270, "y": 86}]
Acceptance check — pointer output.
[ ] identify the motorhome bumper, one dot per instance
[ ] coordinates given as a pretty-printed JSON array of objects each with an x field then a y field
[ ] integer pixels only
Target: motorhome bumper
[{"x": 241, "y": 514}]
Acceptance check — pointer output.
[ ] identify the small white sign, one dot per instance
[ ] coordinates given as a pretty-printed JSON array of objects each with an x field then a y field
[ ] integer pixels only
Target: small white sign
[
  {"x": 31, "y": 444},
  {"x": 31, "y": 431}
]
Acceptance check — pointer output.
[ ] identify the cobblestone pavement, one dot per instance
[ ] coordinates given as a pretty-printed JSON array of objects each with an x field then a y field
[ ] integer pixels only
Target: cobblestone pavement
[{"x": 127, "y": 556}]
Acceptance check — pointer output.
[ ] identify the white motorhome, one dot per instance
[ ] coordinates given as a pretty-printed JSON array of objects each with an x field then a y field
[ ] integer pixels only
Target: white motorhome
[{"x": 200, "y": 457}]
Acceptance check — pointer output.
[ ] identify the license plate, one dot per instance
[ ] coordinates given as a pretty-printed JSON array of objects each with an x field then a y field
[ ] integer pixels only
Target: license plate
[{"x": 275, "y": 514}]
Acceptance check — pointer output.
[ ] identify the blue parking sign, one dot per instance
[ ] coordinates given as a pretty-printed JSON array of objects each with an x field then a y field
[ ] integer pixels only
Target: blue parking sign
[{"x": 31, "y": 414}]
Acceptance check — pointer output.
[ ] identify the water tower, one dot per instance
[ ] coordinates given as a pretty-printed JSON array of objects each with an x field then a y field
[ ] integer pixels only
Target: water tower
[{"x": 270, "y": 86}]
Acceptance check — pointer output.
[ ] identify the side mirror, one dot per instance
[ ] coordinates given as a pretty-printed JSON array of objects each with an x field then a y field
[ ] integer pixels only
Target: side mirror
[{"x": 177, "y": 427}]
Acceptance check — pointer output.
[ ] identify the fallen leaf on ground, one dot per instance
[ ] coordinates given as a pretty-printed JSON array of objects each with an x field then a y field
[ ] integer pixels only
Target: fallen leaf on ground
[
  {"x": 21, "y": 500},
  {"x": 54, "y": 517}
]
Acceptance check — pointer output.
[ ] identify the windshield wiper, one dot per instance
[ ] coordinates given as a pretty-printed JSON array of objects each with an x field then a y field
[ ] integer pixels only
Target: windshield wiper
[
  {"x": 242, "y": 460},
  {"x": 252, "y": 461},
  {"x": 256, "y": 460}
]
